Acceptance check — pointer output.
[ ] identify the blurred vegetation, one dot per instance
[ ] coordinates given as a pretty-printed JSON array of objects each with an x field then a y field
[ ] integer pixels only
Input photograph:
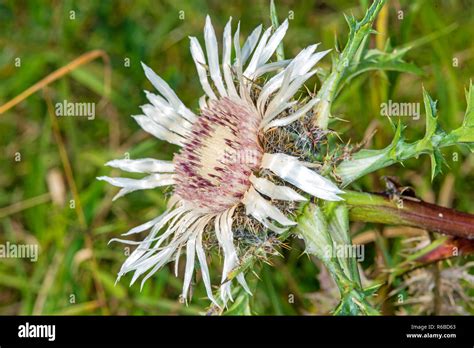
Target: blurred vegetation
[{"x": 76, "y": 269}]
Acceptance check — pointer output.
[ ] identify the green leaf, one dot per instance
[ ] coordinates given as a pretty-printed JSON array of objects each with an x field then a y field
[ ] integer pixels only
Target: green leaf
[
  {"x": 241, "y": 305},
  {"x": 351, "y": 23},
  {"x": 346, "y": 307},
  {"x": 365, "y": 161},
  {"x": 437, "y": 161},
  {"x": 280, "y": 53},
  {"x": 378, "y": 60},
  {"x": 390, "y": 59},
  {"x": 338, "y": 224},
  {"x": 371, "y": 290},
  {"x": 469, "y": 115},
  {"x": 433, "y": 135},
  {"x": 313, "y": 226},
  {"x": 358, "y": 32},
  {"x": 465, "y": 133}
]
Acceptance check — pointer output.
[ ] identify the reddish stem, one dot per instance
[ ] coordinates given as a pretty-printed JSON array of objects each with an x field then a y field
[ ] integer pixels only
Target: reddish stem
[{"x": 380, "y": 208}]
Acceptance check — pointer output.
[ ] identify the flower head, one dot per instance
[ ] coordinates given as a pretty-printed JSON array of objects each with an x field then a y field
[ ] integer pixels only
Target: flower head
[{"x": 217, "y": 169}]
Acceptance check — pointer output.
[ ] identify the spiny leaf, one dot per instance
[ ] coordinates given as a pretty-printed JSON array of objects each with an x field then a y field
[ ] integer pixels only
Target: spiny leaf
[
  {"x": 366, "y": 161},
  {"x": 351, "y": 22},
  {"x": 433, "y": 135},
  {"x": 390, "y": 59},
  {"x": 313, "y": 227},
  {"x": 369, "y": 60},
  {"x": 437, "y": 161},
  {"x": 338, "y": 223},
  {"x": 465, "y": 133}
]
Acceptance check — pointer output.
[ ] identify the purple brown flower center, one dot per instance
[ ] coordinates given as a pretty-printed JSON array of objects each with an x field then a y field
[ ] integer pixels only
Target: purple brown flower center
[{"x": 214, "y": 166}]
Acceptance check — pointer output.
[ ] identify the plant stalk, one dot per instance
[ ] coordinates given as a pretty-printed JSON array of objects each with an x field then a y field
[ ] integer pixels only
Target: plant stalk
[
  {"x": 380, "y": 208},
  {"x": 358, "y": 32}
]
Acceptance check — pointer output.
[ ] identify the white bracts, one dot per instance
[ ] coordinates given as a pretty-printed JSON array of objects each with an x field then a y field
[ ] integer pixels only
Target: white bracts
[{"x": 208, "y": 188}]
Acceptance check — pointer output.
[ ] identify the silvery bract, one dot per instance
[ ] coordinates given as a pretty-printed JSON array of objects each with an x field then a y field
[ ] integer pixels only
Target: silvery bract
[{"x": 217, "y": 166}]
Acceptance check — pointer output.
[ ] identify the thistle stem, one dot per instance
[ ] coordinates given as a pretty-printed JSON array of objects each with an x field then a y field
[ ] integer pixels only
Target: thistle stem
[
  {"x": 358, "y": 32},
  {"x": 379, "y": 208}
]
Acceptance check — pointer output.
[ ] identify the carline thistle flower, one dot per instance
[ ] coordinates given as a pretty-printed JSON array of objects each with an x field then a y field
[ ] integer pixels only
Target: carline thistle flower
[{"x": 217, "y": 168}]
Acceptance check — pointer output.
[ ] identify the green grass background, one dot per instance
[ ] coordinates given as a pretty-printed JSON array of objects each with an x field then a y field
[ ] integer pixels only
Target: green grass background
[{"x": 64, "y": 280}]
